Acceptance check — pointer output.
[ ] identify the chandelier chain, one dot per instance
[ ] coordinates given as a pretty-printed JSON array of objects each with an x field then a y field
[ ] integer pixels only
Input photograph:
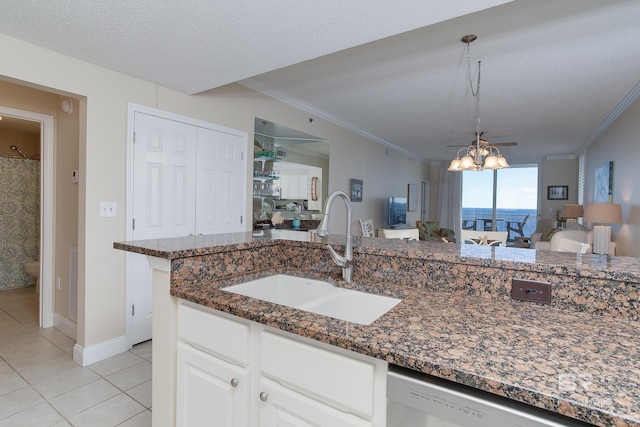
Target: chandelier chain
[
  {"x": 475, "y": 92},
  {"x": 480, "y": 155}
]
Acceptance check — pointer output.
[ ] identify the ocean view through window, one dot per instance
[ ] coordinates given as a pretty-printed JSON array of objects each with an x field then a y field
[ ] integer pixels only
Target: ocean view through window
[{"x": 502, "y": 200}]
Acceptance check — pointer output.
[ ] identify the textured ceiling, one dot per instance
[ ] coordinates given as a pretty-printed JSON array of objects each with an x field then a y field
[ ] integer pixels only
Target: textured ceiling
[
  {"x": 195, "y": 45},
  {"x": 552, "y": 71}
]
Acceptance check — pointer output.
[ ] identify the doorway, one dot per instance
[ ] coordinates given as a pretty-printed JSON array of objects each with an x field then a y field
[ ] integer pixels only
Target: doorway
[
  {"x": 47, "y": 179},
  {"x": 501, "y": 200}
]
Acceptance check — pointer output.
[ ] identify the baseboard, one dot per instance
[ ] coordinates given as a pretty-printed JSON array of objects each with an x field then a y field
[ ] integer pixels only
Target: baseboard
[
  {"x": 66, "y": 326},
  {"x": 88, "y": 355}
]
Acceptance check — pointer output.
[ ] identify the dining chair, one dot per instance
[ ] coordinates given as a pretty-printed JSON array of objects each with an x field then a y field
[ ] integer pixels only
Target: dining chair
[
  {"x": 403, "y": 233},
  {"x": 469, "y": 224},
  {"x": 366, "y": 225},
  {"x": 486, "y": 238},
  {"x": 517, "y": 227}
]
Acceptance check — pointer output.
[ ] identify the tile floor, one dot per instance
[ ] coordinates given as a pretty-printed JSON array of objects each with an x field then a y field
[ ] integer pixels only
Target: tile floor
[{"x": 40, "y": 385}]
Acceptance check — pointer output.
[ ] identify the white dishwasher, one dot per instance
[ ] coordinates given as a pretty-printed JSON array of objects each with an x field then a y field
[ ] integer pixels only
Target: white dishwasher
[{"x": 420, "y": 400}]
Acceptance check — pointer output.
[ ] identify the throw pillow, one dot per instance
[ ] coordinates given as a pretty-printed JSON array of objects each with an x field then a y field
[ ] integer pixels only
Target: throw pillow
[{"x": 547, "y": 234}]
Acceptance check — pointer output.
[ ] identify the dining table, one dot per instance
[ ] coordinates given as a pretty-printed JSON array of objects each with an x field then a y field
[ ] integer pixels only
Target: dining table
[{"x": 488, "y": 223}]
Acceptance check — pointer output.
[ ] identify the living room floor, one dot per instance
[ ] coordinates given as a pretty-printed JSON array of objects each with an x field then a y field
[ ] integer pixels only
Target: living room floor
[{"x": 40, "y": 385}]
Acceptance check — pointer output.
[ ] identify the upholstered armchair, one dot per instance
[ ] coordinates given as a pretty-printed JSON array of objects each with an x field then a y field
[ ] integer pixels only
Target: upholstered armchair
[{"x": 431, "y": 231}]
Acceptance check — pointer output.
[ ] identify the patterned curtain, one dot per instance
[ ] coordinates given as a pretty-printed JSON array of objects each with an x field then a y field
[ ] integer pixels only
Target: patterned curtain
[{"x": 19, "y": 219}]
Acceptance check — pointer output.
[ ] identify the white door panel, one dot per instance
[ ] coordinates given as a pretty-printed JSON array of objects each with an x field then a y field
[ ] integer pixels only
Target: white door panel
[
  {"x": 186, "y": 180},
  {"x": 164, "y": 177},
  {"x": 164, "y": 156},
  {"x": 221, "y": 183}
]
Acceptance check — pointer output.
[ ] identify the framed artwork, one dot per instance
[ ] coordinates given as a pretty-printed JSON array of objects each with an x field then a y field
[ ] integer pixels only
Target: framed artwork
[
  {"x": 604, "y": 184},
  {"x": 558, "y": 192},
  {"x": 412, "y": 198},
  {"x": 356, "y": 190}
]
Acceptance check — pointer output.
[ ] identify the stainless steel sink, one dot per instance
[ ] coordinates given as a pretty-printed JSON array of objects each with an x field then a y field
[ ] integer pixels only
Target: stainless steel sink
[{"x": 318, "y": 297}]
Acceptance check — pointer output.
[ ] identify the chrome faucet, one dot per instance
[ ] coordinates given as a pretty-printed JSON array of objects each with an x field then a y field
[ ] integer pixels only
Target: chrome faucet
[{"x": 346, "y": 261}]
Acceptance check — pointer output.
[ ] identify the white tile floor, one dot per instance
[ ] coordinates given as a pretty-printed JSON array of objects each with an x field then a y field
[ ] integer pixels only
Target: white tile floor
[{"x": 40, "y": 385}]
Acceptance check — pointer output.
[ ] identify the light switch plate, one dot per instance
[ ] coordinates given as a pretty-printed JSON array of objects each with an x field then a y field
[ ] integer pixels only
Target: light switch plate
[{"x": 107, "y": 209}]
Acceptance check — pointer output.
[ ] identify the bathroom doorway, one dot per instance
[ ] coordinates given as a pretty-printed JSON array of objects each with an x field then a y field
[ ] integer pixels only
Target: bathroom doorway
[{"x": 14, "y": 123}]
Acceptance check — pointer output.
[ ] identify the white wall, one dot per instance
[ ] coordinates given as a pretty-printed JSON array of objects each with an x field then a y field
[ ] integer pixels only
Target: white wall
[
  {"x": 104, "y": 96},
  {"x": 620, "y": 144}
]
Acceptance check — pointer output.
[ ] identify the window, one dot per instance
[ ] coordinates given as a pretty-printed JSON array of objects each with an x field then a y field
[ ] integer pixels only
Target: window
[{"x": 502, "y": 200}]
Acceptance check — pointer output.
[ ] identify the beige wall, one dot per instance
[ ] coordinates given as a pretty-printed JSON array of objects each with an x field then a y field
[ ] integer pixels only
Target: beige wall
[
  {"x": 557, "y": 172},
  {"x": 28, "y": 143},
  {"x": 103, "y": 104},
  {"x": 350, "y": 155},
  {"x": 66, "y": 200},
  {"x": 620, "y": 144},
  {"x": 66, "y": 159}
]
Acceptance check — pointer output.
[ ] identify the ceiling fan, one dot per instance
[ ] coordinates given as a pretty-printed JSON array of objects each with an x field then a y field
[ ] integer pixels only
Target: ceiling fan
[{"x": 484, "y": 142}]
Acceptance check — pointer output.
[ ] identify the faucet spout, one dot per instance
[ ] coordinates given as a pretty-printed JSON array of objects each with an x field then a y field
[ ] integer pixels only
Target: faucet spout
[{"x": 346, "y": 261}]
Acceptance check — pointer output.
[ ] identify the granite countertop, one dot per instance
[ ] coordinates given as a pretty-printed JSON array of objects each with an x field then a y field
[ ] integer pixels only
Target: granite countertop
[
  {"x": 594, "y": 266},
  {"x": 577, "y": 364}
]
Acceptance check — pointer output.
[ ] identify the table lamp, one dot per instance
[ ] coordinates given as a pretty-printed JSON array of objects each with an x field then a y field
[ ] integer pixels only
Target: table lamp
[
  {"x": 602, "y": 213},
  {"x": 571, "y": 213}
]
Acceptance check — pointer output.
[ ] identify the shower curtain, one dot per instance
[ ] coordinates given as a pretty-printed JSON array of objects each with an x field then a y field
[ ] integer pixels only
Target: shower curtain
[{"x": 19, "y": 219}]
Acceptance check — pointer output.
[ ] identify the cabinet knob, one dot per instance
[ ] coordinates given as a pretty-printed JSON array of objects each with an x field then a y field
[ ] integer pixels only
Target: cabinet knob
[
  {"x": 264, "y": 396},
  {"x": 234, "y": 382}
]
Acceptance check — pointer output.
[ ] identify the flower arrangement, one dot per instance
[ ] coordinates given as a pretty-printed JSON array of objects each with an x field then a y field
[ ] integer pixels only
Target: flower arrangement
[{"x": 277, "y": 219}]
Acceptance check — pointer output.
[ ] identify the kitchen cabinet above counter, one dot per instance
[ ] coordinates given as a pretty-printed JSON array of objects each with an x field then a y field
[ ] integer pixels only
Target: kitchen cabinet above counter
[{"x": 578, "y": 356}]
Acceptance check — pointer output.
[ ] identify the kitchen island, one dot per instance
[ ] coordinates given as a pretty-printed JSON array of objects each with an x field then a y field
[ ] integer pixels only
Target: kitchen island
[{"x": 578, "y": 357}]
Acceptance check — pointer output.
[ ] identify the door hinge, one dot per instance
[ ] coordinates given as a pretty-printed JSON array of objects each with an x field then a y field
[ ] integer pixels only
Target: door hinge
[
  {"x": 134, "y": 136},
  {"x": 242, "y": 155},
  {"x": 133, "y": 223},
  {"x": 240, "y": 219},
  {"x": 133, "y": 310}
]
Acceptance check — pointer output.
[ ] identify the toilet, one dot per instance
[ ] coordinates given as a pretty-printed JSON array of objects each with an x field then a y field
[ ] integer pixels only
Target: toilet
[{"x": 32, "y": 268}]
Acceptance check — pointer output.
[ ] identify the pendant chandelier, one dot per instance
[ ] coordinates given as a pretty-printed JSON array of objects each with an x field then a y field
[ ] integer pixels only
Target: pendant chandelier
[{"x": 480, "y": 154}]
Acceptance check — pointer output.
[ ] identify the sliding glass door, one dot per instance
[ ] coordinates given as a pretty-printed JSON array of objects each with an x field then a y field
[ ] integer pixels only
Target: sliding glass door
[{"x": 502, "y": 200}]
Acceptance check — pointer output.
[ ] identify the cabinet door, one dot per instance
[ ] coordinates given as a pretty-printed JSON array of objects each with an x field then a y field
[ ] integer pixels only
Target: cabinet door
[
  {"x": 303, "y": 187},
  {"x": 285, "y": 188},
  {"x": 281, "y": 407},
  {"x": 294, "y": 191},
  {"x": 211, "y": 392}
]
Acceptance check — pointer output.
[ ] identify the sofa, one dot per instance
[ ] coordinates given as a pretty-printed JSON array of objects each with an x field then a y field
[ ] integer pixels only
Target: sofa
[
  {"x": 549, "y": 239},
  {"x": 431, "y": 231},
  {"x": 583, "y": 236}
]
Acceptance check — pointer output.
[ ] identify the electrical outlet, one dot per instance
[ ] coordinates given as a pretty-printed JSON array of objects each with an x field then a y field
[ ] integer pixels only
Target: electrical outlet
[{"x": 531, "y": 290}]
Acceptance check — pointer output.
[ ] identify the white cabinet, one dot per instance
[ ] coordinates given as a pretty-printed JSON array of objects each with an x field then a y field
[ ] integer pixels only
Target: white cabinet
[
  {"x": 239, "y": 373},
  {"x": 213, "y": 381},
  {"x": 294, "y": 187},
  {"x": 210, "y": 390},
  {"x": 284, "y": 407}
]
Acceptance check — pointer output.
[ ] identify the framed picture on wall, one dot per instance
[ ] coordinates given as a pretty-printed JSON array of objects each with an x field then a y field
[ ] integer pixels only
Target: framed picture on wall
[
  {"x": 558, "y": 192},
  {"x": 603, "y": 184},
  {"x": 356, "y": 190}
]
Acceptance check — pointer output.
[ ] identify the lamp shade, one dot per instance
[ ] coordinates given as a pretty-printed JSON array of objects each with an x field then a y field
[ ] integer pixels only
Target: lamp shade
[
  {"x": 572, "y": 211},
  {"x": 603, "y": 213}
]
